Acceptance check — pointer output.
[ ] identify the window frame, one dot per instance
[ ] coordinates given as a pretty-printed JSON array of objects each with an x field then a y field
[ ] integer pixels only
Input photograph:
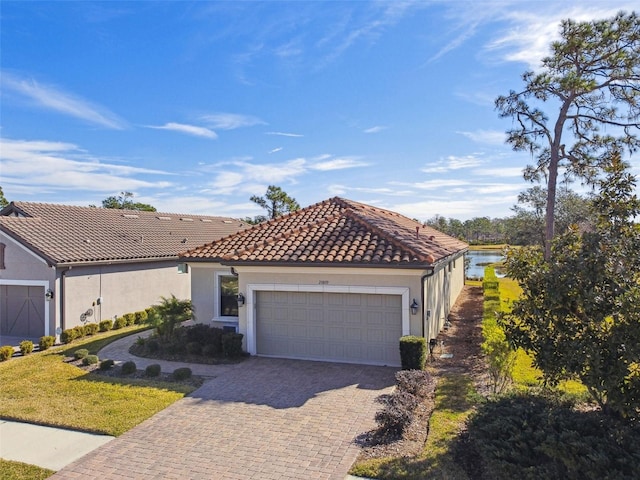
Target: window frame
[{"x": 218, "y": 316}]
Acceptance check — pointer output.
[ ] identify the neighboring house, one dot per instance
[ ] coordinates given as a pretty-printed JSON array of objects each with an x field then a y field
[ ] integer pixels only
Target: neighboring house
[
  {"x": 62, "y": 266},
  {"x": 339, "y": 281}
]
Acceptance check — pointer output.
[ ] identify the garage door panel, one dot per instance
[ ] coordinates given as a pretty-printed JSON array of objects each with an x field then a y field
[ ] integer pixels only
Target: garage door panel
[
  {"x": 22, "y": 310},
  {"x": 361, "y": 328}
]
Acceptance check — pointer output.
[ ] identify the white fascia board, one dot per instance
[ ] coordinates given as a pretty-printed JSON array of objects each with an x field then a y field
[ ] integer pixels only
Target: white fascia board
[{"x": 24, "y": 247}]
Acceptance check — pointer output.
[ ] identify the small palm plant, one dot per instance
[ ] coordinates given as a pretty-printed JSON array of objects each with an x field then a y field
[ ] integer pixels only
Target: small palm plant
[{"x": 168, "y": 314}]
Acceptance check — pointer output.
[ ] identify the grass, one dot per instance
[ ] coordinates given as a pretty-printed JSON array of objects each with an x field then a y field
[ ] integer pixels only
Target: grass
[
  {"x": 10, "y": 470},
  {"x": 499, "y": 246},
  {"x": 43, "y": 389},
  {"x": 454, "y": 401}
]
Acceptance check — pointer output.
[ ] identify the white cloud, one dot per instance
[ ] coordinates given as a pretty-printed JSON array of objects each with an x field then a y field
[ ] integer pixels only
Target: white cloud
[
  {"x": 376, "y": 129},
  {"x": 284, "y": 134},
  {"x": 230, "y": 121},
  {"x": 338, "y": 164},
  {"x": 275, "y": 150},
  {"x": 51, "y": 98},
  {"x": 188, "y": 129},
  {"x": 489, "y": 137},
  {"x": 499, "y": 172},
  {"x": 452, "y": 163},
  {"x": 33, "y": 166},
  {"x": 436, "y": 184}
]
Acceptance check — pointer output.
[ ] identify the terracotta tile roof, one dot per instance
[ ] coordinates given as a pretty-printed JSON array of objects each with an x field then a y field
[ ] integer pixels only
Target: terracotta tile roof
[
  {"x": 336, "y": 231},
  {"x": 64, "y": 234}
]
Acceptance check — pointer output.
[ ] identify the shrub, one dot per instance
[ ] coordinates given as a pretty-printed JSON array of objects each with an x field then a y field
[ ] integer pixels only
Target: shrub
[
  {"x": 106, "y": 364},
  {"x": 130, "y": 318},
  {"x": 140, "y": 341},
  {"x": 90, "y": 360},
  {"x": 6, "y": 353},
  {"x": 26, "y": 347},
  {"x": 152, "y": 370},
  {"x": 194, "y": 348},
  {"x": 119, "y": 323},
  {"x": 232, "y": 344},
  {"x": 210, "y": 351},
  {"x": 529, "y": 437},
  {"x": 416, "y": 382},
  {"x": 141, "y": 317},
  {"x": 80, "y": 353},
  {"x": 68, "y": 336},
  {"x": 129, "y": 367},
  {"x": 91, "y": 328},
  {"x": 80, "y": 331},
  {"x": 413, "y": 352},
  {"x": 105, "y": 325},
  {"x": 46, "y": 342},
  {"x": 397, "y": 411},
  {"x": 153, "y": 345},
  {"x": 182, "y": 373}
]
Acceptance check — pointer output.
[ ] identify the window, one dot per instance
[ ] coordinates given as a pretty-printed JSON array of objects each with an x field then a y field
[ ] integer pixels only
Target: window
[
  {"x": 2, "y": 246},
  {"x": 228, "y": 295},
  {"x": 183, "y": 268}
]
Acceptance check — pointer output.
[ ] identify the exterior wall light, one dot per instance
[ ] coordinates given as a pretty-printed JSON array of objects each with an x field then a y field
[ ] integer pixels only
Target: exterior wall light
[
  {"x": 241, "y": 300},
  {"x": 48, "y": 295},
  {"x": 414, "y": 307}
]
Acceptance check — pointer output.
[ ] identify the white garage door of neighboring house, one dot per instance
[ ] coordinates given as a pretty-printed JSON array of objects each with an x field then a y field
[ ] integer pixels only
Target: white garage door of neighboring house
[
  {"x": 342, "y": 327},
  {"x": 22, "y": 310}
]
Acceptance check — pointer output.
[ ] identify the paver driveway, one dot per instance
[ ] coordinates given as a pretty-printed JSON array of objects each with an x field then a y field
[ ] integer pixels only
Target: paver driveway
[{"x": 260, "y": 419}]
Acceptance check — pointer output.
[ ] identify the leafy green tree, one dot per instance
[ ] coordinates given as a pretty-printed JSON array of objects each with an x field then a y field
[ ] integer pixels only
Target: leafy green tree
[
  {"x": 582, "y": 105},
  {"x": 3, "y": 201},
  {"x": 276, "y": 202},
  {"x": 124, "y": 202},
  {"x": 527, "y": 227},
  {"x": 579, "y": 314},
  {"x": 169, "y": 314}
]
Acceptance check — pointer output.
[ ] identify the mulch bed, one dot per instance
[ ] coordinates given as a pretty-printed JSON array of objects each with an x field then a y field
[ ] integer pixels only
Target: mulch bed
[
  {"x": 116, "y": 372},
  {"x": 462, "y": 339}
]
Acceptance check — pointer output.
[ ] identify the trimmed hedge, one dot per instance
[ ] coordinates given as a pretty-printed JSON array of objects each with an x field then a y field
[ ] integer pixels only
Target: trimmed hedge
[
  {"x": 182, "y": 373},
  {"x": 152, "y": 370},
  {"x": 106, "y": 364},
  {"x": 413, "y": 352},
  {"x": 105, "y": 325},
  {"x": 26, "y": 347},
  {"x": 232, "y": 345},
  {"x": 46, "y": 342},
  {"x": 80, "y": 353},
  {"x": 129, "y": 368},
  {"x": 119, "y": 323},
  {"x": 6, "y": 353},
  {"x": 90, "y": 360},
  {"x": 91, "y": 328}
]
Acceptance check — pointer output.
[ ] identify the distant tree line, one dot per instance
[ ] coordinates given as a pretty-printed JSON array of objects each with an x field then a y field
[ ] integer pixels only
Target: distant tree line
[{"x": 527, "y": 225}]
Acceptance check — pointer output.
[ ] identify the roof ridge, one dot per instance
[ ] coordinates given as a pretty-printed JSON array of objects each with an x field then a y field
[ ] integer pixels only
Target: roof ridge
[
  {"x": 285, "y": 234},
  {"x": 355, "y": 215}
]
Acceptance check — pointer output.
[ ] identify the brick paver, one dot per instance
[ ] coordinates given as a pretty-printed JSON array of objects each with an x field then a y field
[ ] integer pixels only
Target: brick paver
[{"x": 261, "y": 419}]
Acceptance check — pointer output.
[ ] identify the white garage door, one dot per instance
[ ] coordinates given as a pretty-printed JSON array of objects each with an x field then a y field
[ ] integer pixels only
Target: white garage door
[{"x": 341, "y": 327}]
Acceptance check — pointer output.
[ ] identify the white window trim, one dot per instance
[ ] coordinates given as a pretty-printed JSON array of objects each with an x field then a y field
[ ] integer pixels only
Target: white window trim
[
  {"x": 252, "y": 289},
  {"x": 217, "y": 317}
]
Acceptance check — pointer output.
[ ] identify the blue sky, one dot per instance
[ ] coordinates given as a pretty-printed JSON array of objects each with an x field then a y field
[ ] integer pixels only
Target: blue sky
[{"x": 196, "y": 106}]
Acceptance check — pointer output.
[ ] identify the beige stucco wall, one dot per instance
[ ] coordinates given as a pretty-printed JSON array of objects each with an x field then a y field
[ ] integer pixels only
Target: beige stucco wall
[
  {"x": 203, "y": 291},
  {"x": 122, "y": 289}
]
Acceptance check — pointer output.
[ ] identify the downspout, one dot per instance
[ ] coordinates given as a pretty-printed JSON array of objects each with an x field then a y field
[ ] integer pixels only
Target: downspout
[
  {"x": 423, "y": 280},
  {"x": 62, "y": 295}
]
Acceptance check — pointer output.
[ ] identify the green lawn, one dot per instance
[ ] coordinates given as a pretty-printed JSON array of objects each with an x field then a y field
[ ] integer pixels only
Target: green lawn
[
  {"x": 41, "y": 388},
  {"x": 21, "y": 471}
]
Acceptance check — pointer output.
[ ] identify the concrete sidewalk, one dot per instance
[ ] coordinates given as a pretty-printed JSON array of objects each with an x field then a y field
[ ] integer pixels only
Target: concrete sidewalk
[{"x": 46, "y": 447}]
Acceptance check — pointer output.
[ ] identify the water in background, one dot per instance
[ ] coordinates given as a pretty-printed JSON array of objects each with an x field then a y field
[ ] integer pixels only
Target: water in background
[{"x": 482, "y": 256}]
